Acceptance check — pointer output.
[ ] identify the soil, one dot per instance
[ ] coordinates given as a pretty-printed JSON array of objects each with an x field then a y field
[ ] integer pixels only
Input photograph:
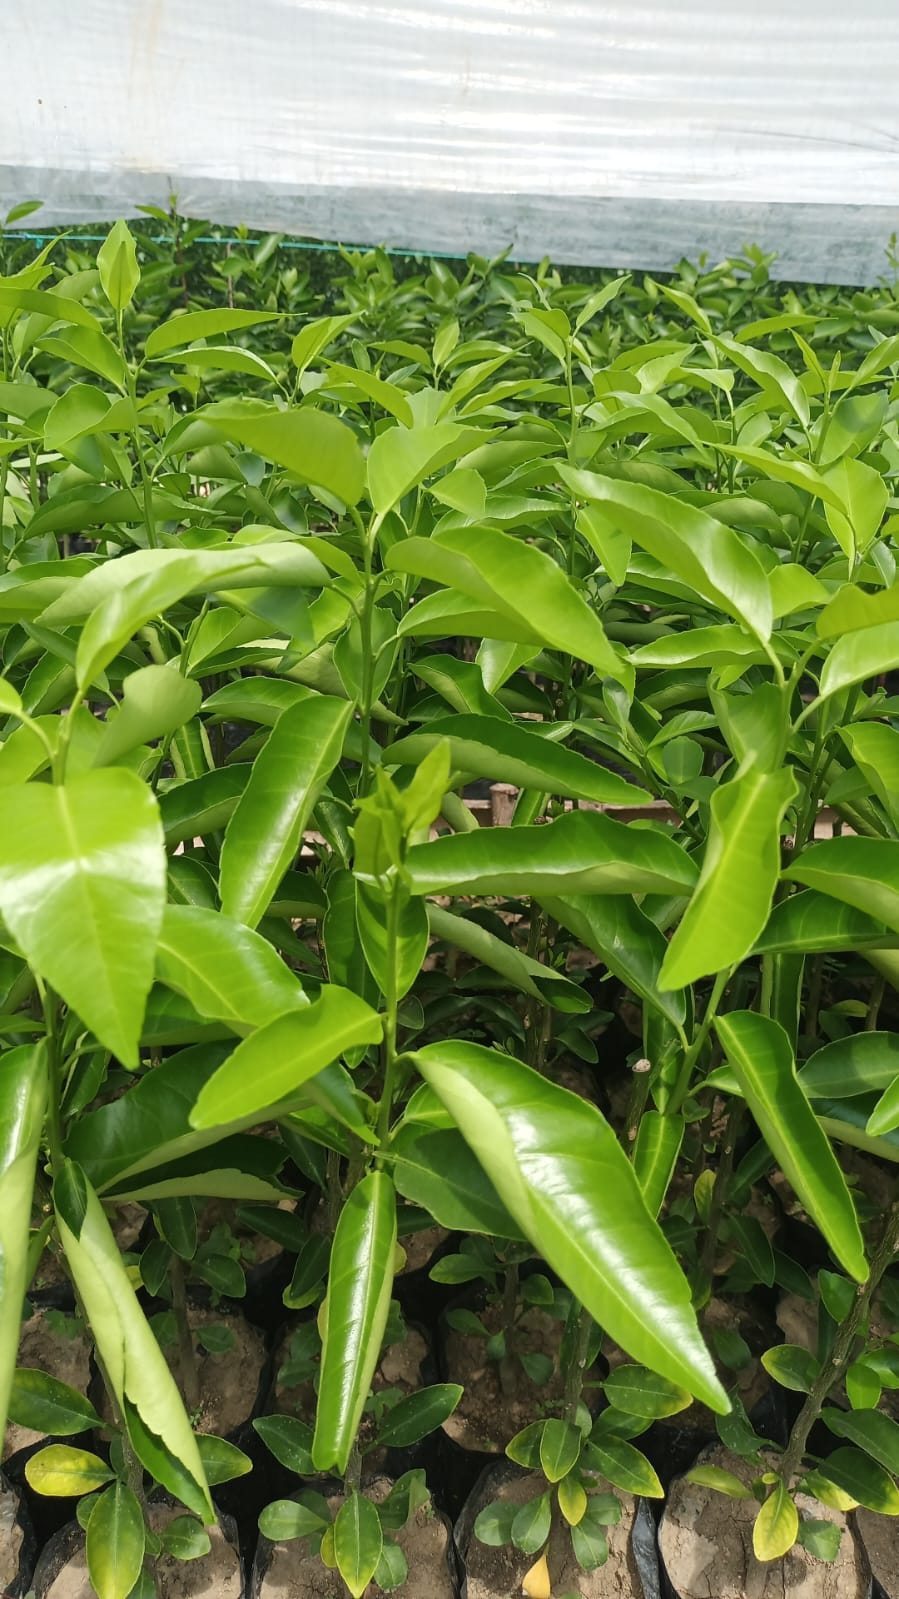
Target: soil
[
  {"x": 400, "y": 1367},
  {"x": 495, "y": 1573},
  {"x": 223, "y": 1212},
  {"x": 11, "y": 1539},
  {"x": 486, "y": 1418},
  {"x": 53, "y": 1352},
  {"x": 420, "y": 1248},
  {"x": 705, "y": 1541},
  {"x": 294, "y": 1573},
  {"x": 229, "y": 1383},
  {"x": 878, "y": 1534},
  {"x": 217, "y": 1575}
]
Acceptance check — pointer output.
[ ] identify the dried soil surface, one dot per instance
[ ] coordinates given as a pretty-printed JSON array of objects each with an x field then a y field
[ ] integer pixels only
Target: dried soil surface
[
  {"x": 878, "y": 1534},
  {"x": 706, "y": 1544},
  {"x": 53, "y": 1352},
  {"x": 217, "y": 1575},
  {"x": 11, "y": 1539},
  {"x": 486, "y": 1418}
]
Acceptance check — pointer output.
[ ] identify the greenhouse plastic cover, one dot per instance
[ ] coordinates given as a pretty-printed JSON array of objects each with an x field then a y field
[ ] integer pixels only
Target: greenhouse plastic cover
[{"x": 623, "y": 134}]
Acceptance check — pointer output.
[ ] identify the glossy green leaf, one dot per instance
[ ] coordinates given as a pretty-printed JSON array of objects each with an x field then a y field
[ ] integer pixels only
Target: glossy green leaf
[
  {"x": 358, "y": 1541},
  {"x": 863, "y": 1479},
  {"x": 264, "y": 832},
  {"x": 59, "y": 1471},
  {"x": 759, "y": 1052},
  {"x": 560, "y": 1448},
  {"x": 133, "y": 1362},
  {"x": 705, "y": 554},
  {"x": 581, "y": 852},
  {"x": 222, "y": 1461},
  {"x": 270, "y": 1065},
  {"x": 874, "y": 747},
  {"x": 285, "y": 1519},
  {"x": 436, "y": 1169},
  {"x": 854, "y": 609},
  {"x": 182, "y": 330},
  {"x": 518, "y": 581},
  {"x": 115, "y": 1543},
  {"x": 289, "y": 1440},
  {"x": 640, "y": 1392},
  {"x": 313, "y": 446},
  {"x": 156, "y": 701},
  {"x": 860, "y": 655},
  {"x": 740, "y": 869},
  {"x": 863, "y": 872},
  {"x": 722, "y": 1482},
  {"x": 631, "y": 945},
  {"x": 521, "y": 971},
  {"x": 23, "y": 1093},
  {"x": 621, "y": 1464},
  {"x": 418, "y": 1414},
  {"x": 813, "y": 923},
  {"x": 507, "y": 752},
  {"x": 387, "y": 395},
  {"x": 46, "y": 1405},
  {"x": 225, "y": 969},
  {"x": 360, "y": 1280},
  {"x": 777, "y": 381},
  {"x": 776, "y": 1526},
  {"x": 560, "y": 1171},
  {"x": 119, "y": 275},
  {"x": 791, "y": 1366},
  {"x": 656, "y": 1151},
  {"x": 82, "y": 887},
  {"x": 853, "y": 1065},
  {"x": 871, "y": 1430}
]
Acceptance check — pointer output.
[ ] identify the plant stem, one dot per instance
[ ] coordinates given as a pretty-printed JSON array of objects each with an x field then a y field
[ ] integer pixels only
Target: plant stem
[
  {"x": 833, "y": 1370},
  {"x": 507, "y": 1374},
  {"x": 187, "y": 1359},
  {"x": 682, "y": 1086},
  {"x": 722, "y": 1183},
  {"x": 50, "y": 1008},
  {"x": 582, "y": 1321},
  {"x": 389, "y": 1056}
]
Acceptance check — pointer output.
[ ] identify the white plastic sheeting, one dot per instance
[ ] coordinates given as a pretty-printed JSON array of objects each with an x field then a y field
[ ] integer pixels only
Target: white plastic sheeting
[{"x": 598, "y": 131}]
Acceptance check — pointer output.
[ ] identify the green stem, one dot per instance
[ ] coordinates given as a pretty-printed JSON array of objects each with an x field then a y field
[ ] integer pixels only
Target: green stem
[
  {"x": 574, "y": 1372},
  {"x": 50, "y": 1008},
  {"x": 682, "y": 1086},
  {"x": 187, "y": 1359},
  {"x": 389, "y": 1054},
  {"x": 722, "y": 1184},
  {"x": 834, "y": 1370}
]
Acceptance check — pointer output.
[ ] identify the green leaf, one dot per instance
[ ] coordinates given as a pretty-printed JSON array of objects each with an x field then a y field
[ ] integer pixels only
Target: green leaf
[
  {"x": 437, "y": 1170},
  {"x": 621, "y": 1464},
  {"x": 640, "y": 1392},
  {"x": 285, "y": 1519},
  {"x": 656, "y": 1150},
  {"x": 560, "y": 1448},
  {"x": 185, "y": 1538},
  {"x": 358, "y": 1542},
  {"x": 791, "y": 1366},
  {"x": 202, "y": 805},
  {"x": 315, "y": 337},
  {"x": 82, "y": 888},
  {"x": 863, "y": 1479},
  {"x": 572, "y": 1500},
  {"x": 857, "y": 656},
  {"x": 23, "y": 1093},
  {"x": 530, "y": 1529},
  {"x": 288, "y": 775},
  {"x": 740, "y": 869},
  {"x": 289, "y": 1440},
  {"x": 313, "y": 446},
  {"x": 133, "y": 1362},
  {"x": 401, "y": 457},
  {"x": 410, "y": 928},
  {"x": 776, "y": 1526},
  {"x": 759, "y": 1051},
  {"x": 874, "y": 747},
  {"x": 119, "y": 275},
  {"x": 59, "y": 1471},
  {"x": 156, "y": 701},
  {"x": 46, "y": 1405},
  {"x": 774, "y": 377},
  {"x": 484, "y": 746},
  {"x": 518, "y": 581},
  {"x": 183, "y": 330},
  {"x": 418, "y": 1414},
  {"x": 493, "y": 1524},
  {"x": 226, "y": 970},
  {"x": 864, "y": 494},
  {"x": 360, "y": 1280},
  {"x": 270, "y": 1065},
  {"x": 853, "y": 1065},
  {"x": 871, "y": 1430},
  {"x": 562, "y": 1174},
  {"x": 813, "y": 923},
  {"x": 581, "y": 852},
  {"x": 625, "y": 939},
  {"x": 863, "y": 872},
  {"x": 820, "y": 1538},
  {"x": 521, "y": 971},
  {"x": 722, "y": 1482},
  {"x": 115, "y": 1543},
  {"x": 222, "y": 1461},
  {"x": 524, "y": 1448},
  {"x": 705, "y": 554}
]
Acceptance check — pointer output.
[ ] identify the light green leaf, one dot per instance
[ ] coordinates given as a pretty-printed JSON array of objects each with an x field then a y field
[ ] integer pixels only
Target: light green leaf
[
  {"x": 759, "y": 1052},
  {"x": 863, "y": 872},
  {"x": 776, "y": 1526},
  {"x": 133, "y": 1362},
  {"x": 632, "y": 946},
  {"x": 705, "y": 554},
  {"x": 312, "y": 445},
  {"x": 850, "y": 1066},
  {"x": 856, "y": 656},
  {"x": 82, "y": 888},
  {"x": 874, "y": 747},
  {"x": 288, "y": 775},
  {"x": 871, "y": 1430},
  {"x": 23, "y": 1093},
  {"x": 563, "y": 1176},
  {"x": 436, "y": 1169},
  {"x": 621, "y": 1464},
  {"x": 115, "y": 1543},
  {"x": 531, "y": 977},
  {"x": 59, "y": 1471},
  {"x": 581, "y": 852},
  {"x": 278, "y": 1058},
  {"x": 183, "y": 330},
  {"x": 47, "y": 1405},
  {"x": 156, "y": 701},
  {"x": 360, "y": 1280},
  {"x": 640, "y": 1392},
  {"x": 507, "y": 752},
  {"x": 525, "y": 586},
  {"x": 358, "y": 1542},
  {"x": 777, "y": 381},
  {"x": 226, "y": 970},
  {"x": 656, "y": 1150},
  {"x": 119, "y": 275},
  {"x": 730, "y": 905}
]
